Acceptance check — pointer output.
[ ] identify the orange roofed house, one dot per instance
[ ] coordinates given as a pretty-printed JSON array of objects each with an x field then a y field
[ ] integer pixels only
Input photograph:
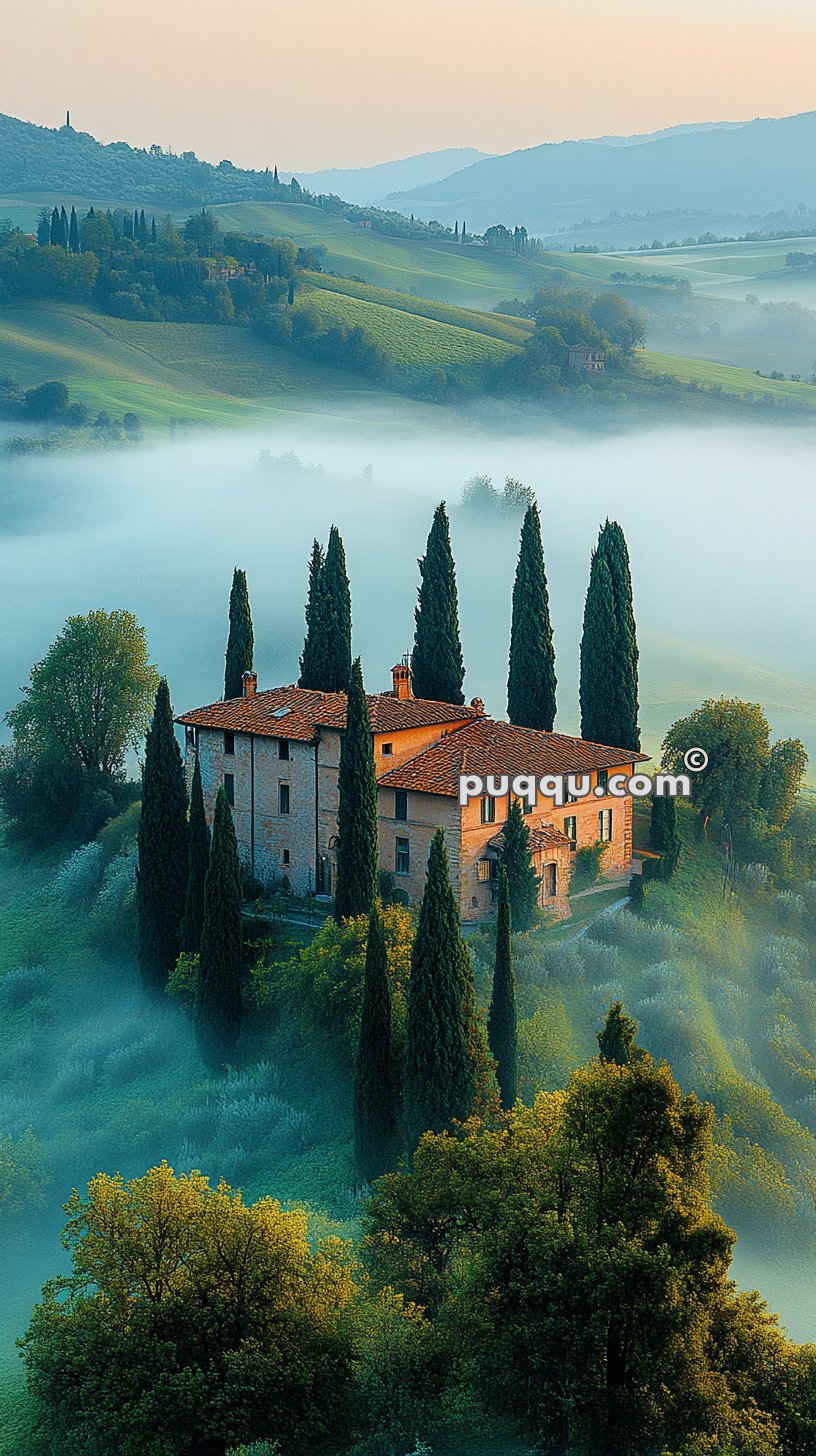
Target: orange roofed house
[{"x": 277, "y": 753}]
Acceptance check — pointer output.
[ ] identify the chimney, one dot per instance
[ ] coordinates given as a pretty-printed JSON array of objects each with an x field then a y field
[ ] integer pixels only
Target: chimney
[
  {"x": 250, "y": 682},
  {"x": 401, "y": 679},
  {"x": 477, "y": 704}
]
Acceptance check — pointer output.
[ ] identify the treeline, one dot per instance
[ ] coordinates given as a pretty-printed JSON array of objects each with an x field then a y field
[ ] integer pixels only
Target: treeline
[{"x": 667, "y": 282}]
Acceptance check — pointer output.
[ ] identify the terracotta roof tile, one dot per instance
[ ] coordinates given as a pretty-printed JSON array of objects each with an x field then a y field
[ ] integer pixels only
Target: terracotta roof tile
[
  {"x": 296, "y": 713},
  {"x": 540, "y": 836},
  {"x": 489, "y": 746}
]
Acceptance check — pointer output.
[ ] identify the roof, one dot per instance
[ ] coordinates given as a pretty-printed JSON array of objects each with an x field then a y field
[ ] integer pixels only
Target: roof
[
  {"x": 488, "y": 746},
  {"x": 297, "y": 713},
  {"x": 540, "y": 836}
]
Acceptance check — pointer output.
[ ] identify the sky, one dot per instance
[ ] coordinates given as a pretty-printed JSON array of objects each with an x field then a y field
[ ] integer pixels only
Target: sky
[{"x": 323, "y": 84}]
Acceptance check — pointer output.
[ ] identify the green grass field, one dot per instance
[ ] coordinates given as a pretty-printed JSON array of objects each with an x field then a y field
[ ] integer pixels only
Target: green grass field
[{"x": 731, "y": 380}]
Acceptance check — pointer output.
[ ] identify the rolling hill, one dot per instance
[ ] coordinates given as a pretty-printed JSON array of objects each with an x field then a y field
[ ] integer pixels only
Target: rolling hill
[{"x": 367, "y": 185}]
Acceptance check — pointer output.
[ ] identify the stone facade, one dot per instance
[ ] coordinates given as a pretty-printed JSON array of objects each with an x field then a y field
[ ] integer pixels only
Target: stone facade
[{"x": 278, "y": 753}]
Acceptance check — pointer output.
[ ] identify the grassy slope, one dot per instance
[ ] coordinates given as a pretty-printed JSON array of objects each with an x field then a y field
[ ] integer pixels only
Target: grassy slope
[{"x": 163, "y": 371}]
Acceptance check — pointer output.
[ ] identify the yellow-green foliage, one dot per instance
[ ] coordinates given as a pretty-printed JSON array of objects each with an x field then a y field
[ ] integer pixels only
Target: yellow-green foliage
[
  {"x": 547, "y": 1051},
  {"x": 323, "y": 985}
]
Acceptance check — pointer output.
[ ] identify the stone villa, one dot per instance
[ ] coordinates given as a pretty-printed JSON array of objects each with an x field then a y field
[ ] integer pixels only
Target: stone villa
[{"x": 277, "y": 754}]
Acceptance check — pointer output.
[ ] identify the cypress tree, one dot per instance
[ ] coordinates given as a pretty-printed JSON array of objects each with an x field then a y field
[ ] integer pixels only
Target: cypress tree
[
  {"x": 663, "y": 836},
  {"x": 73, "y": 233},
  {"x": 439, "y": 1085},
  {"x": 356, "y": 884},
  {"x": 635, "y": 894},
  {"x": 153, "y": 230},
  {"x": 291, "y": 293},
  {"x": 63, "y": 228},
  {"x": 522, "y": 880},
  {"x": 609, "y": 656},
  {"x": 219, "y": 1004},
  {"x": 55, "y": 230},
  {"x": 240, "y": 641},
  {"x": 142, "y": 227},
  {"x": 531, "y": 681},
  {"x": 616, "y": 1042},
  {"x": 612, "y": 543},
  {"x": 501, "y": 1017},
  {"x": 599, "y": 657},
  {"x": 161, "y": 875},
  {"x": 336, "y": 595},
  {"x": 197, "y": 861},
  {"x": 376, "y": 1139},
  {"x": 436, "y": 663},
  {"x": 312, "y": 659}
]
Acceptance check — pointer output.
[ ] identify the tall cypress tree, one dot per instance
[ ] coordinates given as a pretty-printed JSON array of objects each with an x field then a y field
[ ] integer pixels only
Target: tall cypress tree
[
  {"x": 522, "y": 880},
  {"x": 600, "y": 650},
  {"x": 531, "y": 681},
  {"x": 501, "y": 1017},
  {"x": 63, "y": 228},
  {"x": 436, "y": 664},
  {"x": 608, "y": 682},
  {"x": 219, "y": 1002},
  {"x": 161, "y": 875},
  {"x": 153, "y": 233},
  {"x": 439, "y": 1084},
  {"x": 55, "y": 231},
  {"x": 612, "y": 543},
  {"x": 663, "y": 836},
  {"x": 356, "y": 884},
  {"x": 376, "y": 1139},
  {"x": 240, "y": 642},
  {"x": 73, "y": 233},
  {"x": 197, "y": 861},
  {"x": 336, "y": 594},
  {"x": 312, "y": 659}
]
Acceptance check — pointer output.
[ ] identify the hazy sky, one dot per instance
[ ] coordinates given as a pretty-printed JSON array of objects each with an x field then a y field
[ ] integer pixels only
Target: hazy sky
[{"x": 325, "y": 84}]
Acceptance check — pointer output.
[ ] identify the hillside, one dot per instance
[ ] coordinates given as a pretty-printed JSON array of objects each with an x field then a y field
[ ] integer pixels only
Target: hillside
[{"x": 753, "y": 169}]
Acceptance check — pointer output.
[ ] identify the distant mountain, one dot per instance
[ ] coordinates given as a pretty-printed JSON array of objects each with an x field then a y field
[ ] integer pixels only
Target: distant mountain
[
  {"x": 638, "y": 138},
  {"x": 369, "y": 185},
  {"x": 746, "y": 170}
]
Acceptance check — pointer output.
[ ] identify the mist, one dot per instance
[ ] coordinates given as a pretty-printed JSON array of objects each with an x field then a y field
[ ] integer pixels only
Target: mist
[{"x": 717, "y": 523}]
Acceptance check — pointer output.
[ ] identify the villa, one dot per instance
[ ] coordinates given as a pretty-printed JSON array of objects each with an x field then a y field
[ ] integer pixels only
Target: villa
[{"x": 277, "y": 754}]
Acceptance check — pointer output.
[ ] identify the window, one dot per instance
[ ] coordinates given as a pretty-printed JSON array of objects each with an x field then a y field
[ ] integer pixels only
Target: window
[
  {"x": 488, "y": 809},
  {"x": 603, "y": 777},
  {"x": 190, "y": 736},
  {"x": 283, "y": 748},
  {"x": 571, "y": 829},
  {"x": 287, "y": 858},
  {"x": 283, "y": 798},
  {"x": 483, "y": 870},
  {"x": 229, "y": 788},
  {"x": 387, "y": 749},
  {"x": 401, "y": 804},
  {"x": 402, "y": 862},
  {"x": 605, "y": 824},
  {"x": 550, "y": 878},
  {"x": 229, "y": 743}
]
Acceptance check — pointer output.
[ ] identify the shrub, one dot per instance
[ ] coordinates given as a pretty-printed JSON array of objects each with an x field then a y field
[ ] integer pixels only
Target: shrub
[
  {"x": 23, "y": 1175},
  {"x": 788, "y": 909},
  {"x": 19, "y": 988},
  {"x": 755, "y": 880},
  {"x": 135, "y": 1059},
  {"x": 183, "y": 979},
  {"x": 547, "y": 1052},
  {"x": 78, "y": 879},
  {"x": 586, "y": 866},
  {"x": 323, "y": 985}
]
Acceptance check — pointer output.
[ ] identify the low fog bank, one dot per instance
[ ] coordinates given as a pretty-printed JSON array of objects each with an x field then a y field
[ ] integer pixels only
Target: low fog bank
[{"x": 719, "y": 524}]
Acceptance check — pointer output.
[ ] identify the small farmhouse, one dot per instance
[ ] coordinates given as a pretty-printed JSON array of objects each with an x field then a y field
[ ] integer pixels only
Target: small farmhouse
[
  {"x": 586, "y": 361},
  {"x": 277, "y": 754}
]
